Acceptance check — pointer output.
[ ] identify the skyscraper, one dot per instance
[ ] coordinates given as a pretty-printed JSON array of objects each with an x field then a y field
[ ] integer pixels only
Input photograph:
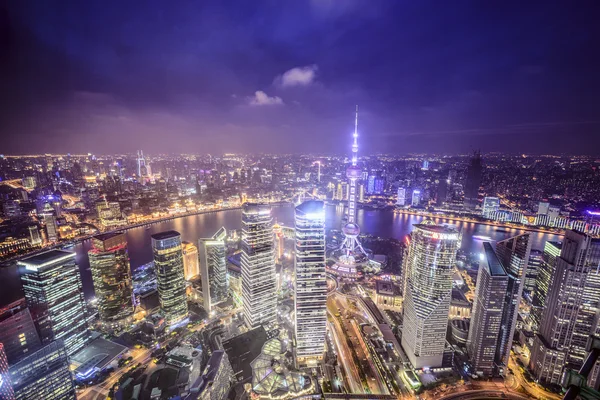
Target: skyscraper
[
  {"x": 310, "y": 283},
  {"x": 51, "y": 229},
  {"x": 258, "y": 265},
  {"x": 514, "y": 255},
  {"x": 531, "y": 273},
  {"x": 191, "y": 266},
  {"x": 486, "y": 321},
  {"x": 109, "y": 264},
  {"x": 168, "y": 263},
  {"x": 6, "y": 390},
  {"x": 17, "y": 331},
  {"x": 416, "y": 198},
  {"x": 213, "y": 268},
  {"x": 427, "y": 269},
  {"x": 571, "y": 309},
  {"x": 472, "y": 182},
  {"x": 351, "y": 230},
  {"x": 43, "y": 375},
  {"x": 543, "y": 280},
  {"x": 34, "y": 235},
  {"x": 54, "y": 295}
]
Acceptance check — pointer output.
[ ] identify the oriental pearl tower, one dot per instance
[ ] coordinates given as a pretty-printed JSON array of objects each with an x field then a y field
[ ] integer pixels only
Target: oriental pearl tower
[{"x": 351, "y": 247}]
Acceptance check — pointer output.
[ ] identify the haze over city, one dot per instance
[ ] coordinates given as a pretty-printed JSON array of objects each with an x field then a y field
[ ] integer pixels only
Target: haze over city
[{"x": 283, "y": 77}]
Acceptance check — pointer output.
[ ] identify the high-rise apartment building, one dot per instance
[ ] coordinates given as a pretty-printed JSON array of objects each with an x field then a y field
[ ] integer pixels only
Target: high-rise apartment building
[
  {"x": 170, "y": 280},
  {"x": 44, "y": 375},
  {"x": 191, "y": 266},
  {"x": 543, "y": 280},
  {"x": 54, "y": 295},
  {"x": 472, "y": 182},
  {"x": 513, "y": 253},
  {"x": 213, "y": 268},
  {"x": 310, "y": 283},
  {"x": 571, "y": 309},
  {"x": 488, "y": 307},
  {"x": 427, "y": 269},
  {"x": 17, "y": 331},
  {"x": 416, "y": 198},
  {"x": 258, "y": 265},
  {"x": 111, "y": 274},
  {"x": 6, "y": 390}
]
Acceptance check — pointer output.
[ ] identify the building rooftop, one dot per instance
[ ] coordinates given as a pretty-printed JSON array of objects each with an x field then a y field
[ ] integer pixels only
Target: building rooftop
[
  {"x": 311, "y": 207},
  {"x": 243, "y": 349},
  {"x": 46, "y": 258},
  {"x": 494, "y": 264},
  {"x": 438, "y": 228},
  {"x": 386, "y": 287},
  {"x": 165, "y": 235},
  {"x": 110, "y": 235},
  {"x": 97, "y": 355}
]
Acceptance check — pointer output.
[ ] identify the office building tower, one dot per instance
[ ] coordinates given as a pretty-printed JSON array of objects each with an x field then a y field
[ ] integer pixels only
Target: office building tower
[
  {"x": 34, "y": 236},
  {"x": 111, "y": 274},
  {"x": 54, "y": 295},
  {"x": 170, "y": 280},
  {"x": 361, "y": 193},
  {"x": 401, "y": 197},
  {"x": 490, "y": 206},
  {"x": 442, "y": 192},
  {"x": 425, "y": 166},
  {"x": 427, "y": 269},
  {"x": 416, "y": 198},
  {"x": 213, "y": 268},
  {"x": 191, "y": 266},
  {"x": 571, "y": 311},
  {"x": 17, "y": 331},
  {"x": 6, "y": 390},
  {"x": 486, "y": 320},
  {"x": 310, "y": 283},
  {"x": 544, "y": 280},
  {"x": 279, "y": 242},
  {"x": 44, "y": 375},
  {"x": 51, "y": 228},
  {"x": 513, "y": 253},
  {"x": 531, "y": 273},
  {"x": 258, "y": 266},
  {"x": 472, "y": 182}
]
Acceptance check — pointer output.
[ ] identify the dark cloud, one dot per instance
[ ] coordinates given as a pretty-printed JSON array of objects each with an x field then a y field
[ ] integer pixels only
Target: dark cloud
[{"x": 109, "y": 76}]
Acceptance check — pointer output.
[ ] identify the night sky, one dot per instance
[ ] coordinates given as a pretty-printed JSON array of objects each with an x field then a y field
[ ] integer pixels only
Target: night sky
[{"x": 284, "y": 75}]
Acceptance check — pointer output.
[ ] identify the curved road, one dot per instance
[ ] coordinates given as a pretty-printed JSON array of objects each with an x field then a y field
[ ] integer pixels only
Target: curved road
[{"x": 484, "y": 394}]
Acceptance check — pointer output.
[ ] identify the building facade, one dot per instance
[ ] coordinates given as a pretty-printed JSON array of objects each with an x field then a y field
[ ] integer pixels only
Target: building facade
[
  {"x": 170, "y": 280},
  {"x": 44, "y": 375},
  {"x": 17, "y": 331},
  {"x": 310, "y": 283},
  {"x": 490, "y": 206},
  {"x": 111, "y": 274},
  {"x": 191, "y": 266},
  {"x": 6, "y": 390},
  {"x": 486, "y": 321},
  {"x": 54, "y": 295},
  {"x": 258, "y": 266},
  {"x": 514, "y": 256},
  {"x": 472, "y": 182},
  {"x": 427, "y": 269},
  {"x": 571, "y": 312},
  {"x": 544, "y": 280},
  {"x": 213, "y": 268}
]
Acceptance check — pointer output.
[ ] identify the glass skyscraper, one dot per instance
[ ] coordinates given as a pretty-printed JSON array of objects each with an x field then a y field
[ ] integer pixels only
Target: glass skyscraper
[
  {"x": 488, "y": 307},
  {"x": 44, "y": 375},
  {"x": 17, "y": 331},
  {"x": 6, "y": 390},
  {"x": 109, "y": 264},
  {"x": 427, "y": 270},
  {"x": 170, "y": 280},
  {"x": 213, "y": 268},
  {"x": 310, "y": 283},
  {"x": 571, "y": 310},
  {"x": 258, "y": 265},
  {"x": 54, "y": 295}
]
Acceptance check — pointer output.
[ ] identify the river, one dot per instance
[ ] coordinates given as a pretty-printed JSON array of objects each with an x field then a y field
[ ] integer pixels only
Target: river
[{"x": 379, "y": 223}]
